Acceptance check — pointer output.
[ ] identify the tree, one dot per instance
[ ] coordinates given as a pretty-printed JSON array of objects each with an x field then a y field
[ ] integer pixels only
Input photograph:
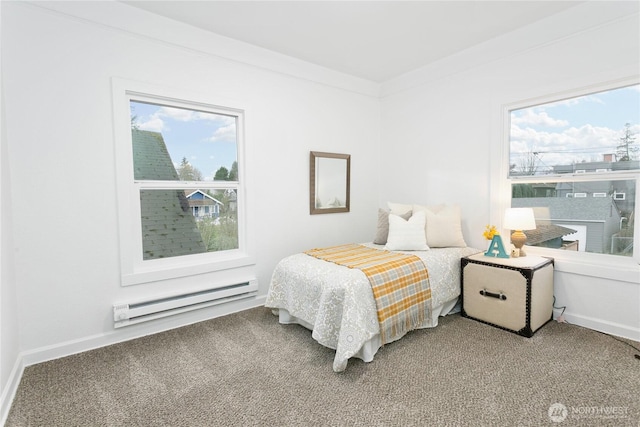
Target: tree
[
  {"x": 222, "y": 174},
  {"x": 186, "y": 172},
  {"x": 233, "y": 173},
  {"x": 625, "y": 151},
  {"x": 529, "y": 165},
  {"x": 522, "y": 190}
]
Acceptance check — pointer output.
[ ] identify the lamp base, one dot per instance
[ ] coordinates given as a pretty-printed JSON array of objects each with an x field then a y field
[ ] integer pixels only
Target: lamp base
[{"x": 518, "y": 238}]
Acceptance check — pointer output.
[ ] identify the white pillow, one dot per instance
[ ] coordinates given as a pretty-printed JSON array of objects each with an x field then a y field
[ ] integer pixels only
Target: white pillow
[
  {"x": 444, "y": 228},
  {"x": 434, "y": 208},
  {"x": 407, "y": 235},
  {"x": 382, "y": 231},
  {"x": 399, "y": 208}
]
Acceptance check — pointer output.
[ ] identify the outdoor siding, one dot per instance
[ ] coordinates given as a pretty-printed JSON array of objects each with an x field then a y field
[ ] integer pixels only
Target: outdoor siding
[
  {"x": 598, "y": 214},
  {"x": 596, "y": 241}
]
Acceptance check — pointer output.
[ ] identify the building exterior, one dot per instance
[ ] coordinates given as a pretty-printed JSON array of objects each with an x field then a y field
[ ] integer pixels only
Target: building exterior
[
  {"x": 594, "y": 219},
  {"x": 601, "y": 213},
  {"x": 203, "y": 205}
]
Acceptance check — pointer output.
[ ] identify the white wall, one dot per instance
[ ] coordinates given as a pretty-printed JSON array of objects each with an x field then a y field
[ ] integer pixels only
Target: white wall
[
  {"x": 436, "y": 128},
  {"x": 443, "y": 124},
  {"x": 57, "y": 72},
  {"x": 10, "y": 371}
]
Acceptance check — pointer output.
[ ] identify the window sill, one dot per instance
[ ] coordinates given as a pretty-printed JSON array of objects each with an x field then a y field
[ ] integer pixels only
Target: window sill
[
  {"x": 624, "y": 269},
  {"x": 183, "y": 269}
]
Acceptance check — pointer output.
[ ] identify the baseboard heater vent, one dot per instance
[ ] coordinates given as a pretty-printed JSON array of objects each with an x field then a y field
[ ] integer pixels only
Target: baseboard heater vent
[{"x": 132, "y": 313}]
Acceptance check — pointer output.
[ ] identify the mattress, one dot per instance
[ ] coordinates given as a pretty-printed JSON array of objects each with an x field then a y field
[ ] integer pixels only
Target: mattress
[{"x": 336, "y": 303}]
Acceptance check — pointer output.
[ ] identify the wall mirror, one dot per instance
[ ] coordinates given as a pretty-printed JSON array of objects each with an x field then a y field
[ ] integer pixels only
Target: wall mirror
[{"x": 330, "y": 182}]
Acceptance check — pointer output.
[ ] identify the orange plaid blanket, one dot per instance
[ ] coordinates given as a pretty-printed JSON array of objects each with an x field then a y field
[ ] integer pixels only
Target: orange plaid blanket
[{"x": 400, "y": 285}]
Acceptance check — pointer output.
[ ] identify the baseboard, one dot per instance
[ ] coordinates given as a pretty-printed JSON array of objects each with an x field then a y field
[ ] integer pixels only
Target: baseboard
[
  {"x": 600, "y": 325},
  {"x": 10, "y": 388},
  {"x": 115, "y": 336},
  {"x": 93, "y": 342}
]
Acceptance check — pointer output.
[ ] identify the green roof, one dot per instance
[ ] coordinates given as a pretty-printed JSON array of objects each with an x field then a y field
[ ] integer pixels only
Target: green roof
[
  {"x": 151, "y": 159},
  {"x": 168, "y": 227}
]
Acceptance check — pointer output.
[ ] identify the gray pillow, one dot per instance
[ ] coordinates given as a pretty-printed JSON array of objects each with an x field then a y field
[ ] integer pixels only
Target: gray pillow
[{"x": 382, "y": 232}]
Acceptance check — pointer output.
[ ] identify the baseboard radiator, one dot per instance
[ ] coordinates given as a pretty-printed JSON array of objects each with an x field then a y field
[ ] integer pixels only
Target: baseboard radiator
[{"x": 131, "y": 313}]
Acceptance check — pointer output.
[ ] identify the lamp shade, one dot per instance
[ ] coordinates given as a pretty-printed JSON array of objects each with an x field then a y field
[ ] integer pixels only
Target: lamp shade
[{"x": 519, "y": 219}]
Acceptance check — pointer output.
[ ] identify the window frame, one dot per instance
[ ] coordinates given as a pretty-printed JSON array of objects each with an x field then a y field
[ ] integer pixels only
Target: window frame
[
  {"x": 135, "y": 270},
  {"x": 584, "y": 263}
]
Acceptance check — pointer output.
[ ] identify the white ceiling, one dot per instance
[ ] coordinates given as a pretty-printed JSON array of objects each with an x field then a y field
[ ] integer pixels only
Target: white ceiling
[{"x": 374, "y": 40}]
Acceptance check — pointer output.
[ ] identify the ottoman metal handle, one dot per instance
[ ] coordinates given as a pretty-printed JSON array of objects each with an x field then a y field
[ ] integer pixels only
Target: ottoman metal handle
[{"x": 499, "y": 296}]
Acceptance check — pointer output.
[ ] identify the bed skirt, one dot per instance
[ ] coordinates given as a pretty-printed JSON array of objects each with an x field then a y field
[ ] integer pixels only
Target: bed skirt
[{"x": 371, "y": 347}]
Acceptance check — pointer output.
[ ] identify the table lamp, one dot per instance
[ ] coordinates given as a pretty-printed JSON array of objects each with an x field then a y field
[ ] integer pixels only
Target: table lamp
[{"x": 516, "y": 220}]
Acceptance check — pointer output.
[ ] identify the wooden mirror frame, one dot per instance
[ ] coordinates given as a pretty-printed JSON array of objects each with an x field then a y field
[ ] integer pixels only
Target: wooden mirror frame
[{"x": 313, "y": 158}]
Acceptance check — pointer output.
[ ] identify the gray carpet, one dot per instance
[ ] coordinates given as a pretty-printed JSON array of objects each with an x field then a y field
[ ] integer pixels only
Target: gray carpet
[{"x": 246, "y": 369}]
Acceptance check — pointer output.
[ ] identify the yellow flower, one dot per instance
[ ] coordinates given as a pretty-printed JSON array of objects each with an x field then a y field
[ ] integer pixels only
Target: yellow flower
[{"x": 490, "y": 231}]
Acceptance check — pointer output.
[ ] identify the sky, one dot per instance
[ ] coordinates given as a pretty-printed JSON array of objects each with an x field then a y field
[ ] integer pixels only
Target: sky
[
  {"x": 575, "y": 130},
  {"x": 564, "y": 132},
  {"x": 206, "y": 140}
]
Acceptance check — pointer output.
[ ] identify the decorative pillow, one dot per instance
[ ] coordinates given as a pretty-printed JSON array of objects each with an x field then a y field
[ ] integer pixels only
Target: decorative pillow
[
  {"x": 434, "y": 208},
  {"x": 399, "y": 208},
  {"x": 407, "y": 235},
  {"x": 444, "y": 228},
  {"x": 382, "y": 231}
]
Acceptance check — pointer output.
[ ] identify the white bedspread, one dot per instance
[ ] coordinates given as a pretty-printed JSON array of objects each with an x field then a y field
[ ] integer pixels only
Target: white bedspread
[{"x": 337, "y": 303}]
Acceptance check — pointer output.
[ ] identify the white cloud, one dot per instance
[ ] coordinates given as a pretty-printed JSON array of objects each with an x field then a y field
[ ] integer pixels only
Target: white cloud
[
  {"x": 154, "y": 124},
  {"x": 572, "y": 145},
  {"x": 179, "y": 114},
  {"x": 537, "y": 117},
  {"x": 217, "y": 118},
  {"x": 159, "y": 121},
  {"x": 594, "y": 98},
  {"x": 224, "y": 134},
  {"x": 186, "y": 115}
]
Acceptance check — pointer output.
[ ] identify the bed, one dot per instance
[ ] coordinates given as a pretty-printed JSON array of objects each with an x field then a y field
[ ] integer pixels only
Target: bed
[{"x": 337, "y": 303}]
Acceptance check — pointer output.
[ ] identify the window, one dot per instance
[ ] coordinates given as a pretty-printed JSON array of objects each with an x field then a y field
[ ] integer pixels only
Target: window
[
  {"x": 181, "y": 190},
  {"x": 578, "y": 145}
]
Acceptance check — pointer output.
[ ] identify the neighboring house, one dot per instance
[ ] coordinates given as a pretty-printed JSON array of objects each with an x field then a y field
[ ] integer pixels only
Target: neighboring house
[
  {"x": 600, "y": 212},
  {"x": 162, "y": 208},
  {"x": 202, "y": 205},
  {"x": 596, "y": 219},
  {"x": 551, "y": 236},
  {"x": 623, "y": 192},
  {"x": 604, "y": 166}
]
